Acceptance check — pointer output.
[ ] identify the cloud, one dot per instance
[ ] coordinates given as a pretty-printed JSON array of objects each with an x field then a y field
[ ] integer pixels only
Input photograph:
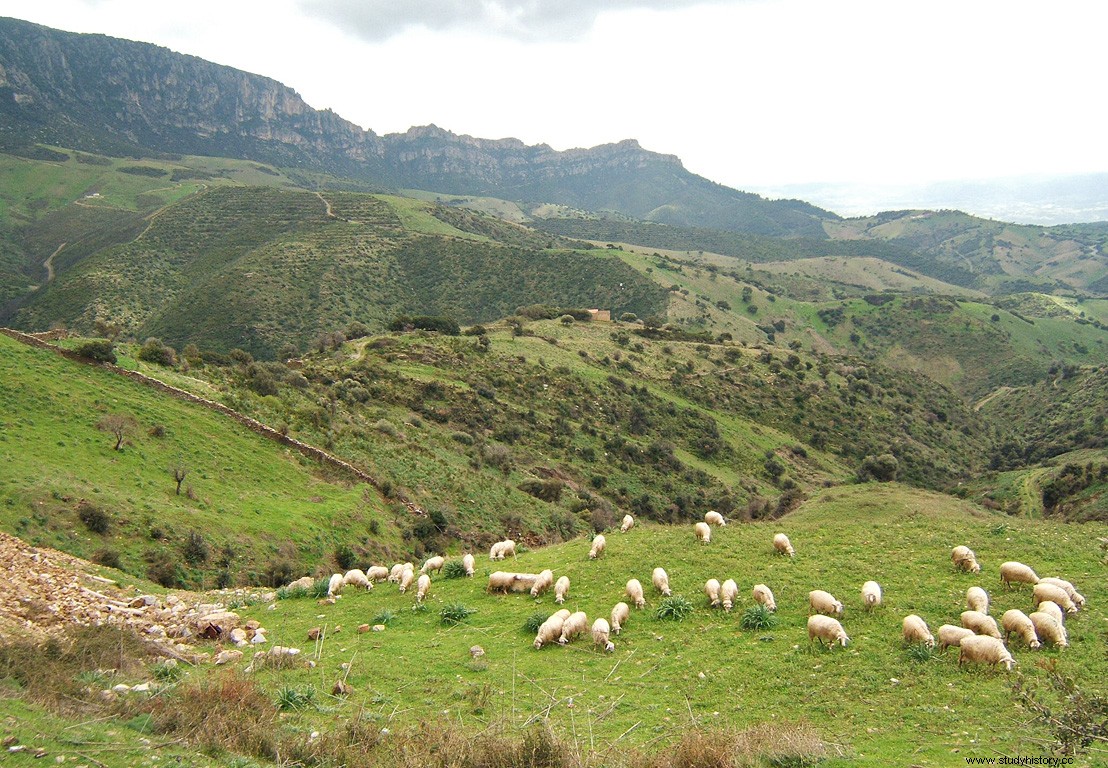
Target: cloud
[{"x": 526, "y": 20}]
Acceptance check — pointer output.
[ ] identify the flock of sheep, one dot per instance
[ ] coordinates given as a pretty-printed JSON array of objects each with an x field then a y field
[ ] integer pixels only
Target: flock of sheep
[{"x": 978, "y": 638}]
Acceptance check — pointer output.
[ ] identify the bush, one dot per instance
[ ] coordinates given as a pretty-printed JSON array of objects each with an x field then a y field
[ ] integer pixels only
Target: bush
[
  {"x": 675, "y": 608},
  {"x": 534, "y": 621},
  {"x": 100, "y": 350},
  {"x": 758, "y": 617},
  {"x": 444, "y": 325},
  {"x": 455, "y": 613},
  {"x": 454, "y": 569},
  {"x": 153, "y": 351},
  {"x": 95, "y": 519},
  {"x": 108, "y": 557},
  {"x": 544, "y": 490},
  {"x": 345, "y": 557},
  {"x": 195, "y": 549},
  {"x": 881, "y": 468}
]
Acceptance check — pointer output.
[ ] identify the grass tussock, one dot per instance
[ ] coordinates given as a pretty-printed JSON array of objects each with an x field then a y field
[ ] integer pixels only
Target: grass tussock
[{"x": 784, "y": 745}]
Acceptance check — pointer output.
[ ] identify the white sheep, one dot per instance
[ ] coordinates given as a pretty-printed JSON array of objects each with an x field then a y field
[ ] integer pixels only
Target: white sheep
[
  {"x": 577, "y": 623},
  {"x": 407, "y": 576},
  {"x": 549, "y": 631},
  {"x": 711, "y": 589},
  {"x": 782, "y": 545},
  {"x": 494, "y": 550},
  {"x": 502, "y": 549},
  {"x": 1018, "y": 622},
  {"x": 727, "y": 593},
  {"x": 335, "y": 585},
  {"x": 1017, "y": 572},
  {"x": 1077, "y": 598},
  {"x": 433, "y": 564},
  {"x": 377, "y": 573},
  {"x": 916, "y": 631},
  {"x": 600, "y": 632},
  {"x": 423, "y": 586},
  {"x": 980, "y": 649},
  {"x": 951, "y": 635},
  {"x": 1048, "y": 629},
  {"x": 468, "y": 563},
  {"x": 634, "y": 591},
  {"x": 542, "y": 583},
  {"x": 562, "y": 613},
  {"x": 598, "y": 545},
  {"x": 964, "y": 559},
  {"x": 357, "y": 578},
  {"x": 980, "y": 623},
  {"x": 1046, "y": 606},
  {"x": 871, "y": 595},
  {"x": 661, "y": 581},
  {"x": 561, "y": 589},
  {"x": 703, "y": 532},
  {"x": 762, "y": 594},
  {"x": 395, "y": 571},
  {"x": 621, "y": 612},
  {"x": 1054, "y": 594},
  {"x": 500, "y": 581},
  {"x": 826, "y": 628},
  {"x": 824, "y": 602},
  {"x": 977, "y": 599},
  {"x": 714, "y": 518},
  {"x": 627, "y": 524}
]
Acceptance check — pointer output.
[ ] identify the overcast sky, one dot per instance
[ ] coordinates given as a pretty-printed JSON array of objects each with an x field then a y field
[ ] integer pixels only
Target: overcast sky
[{"x": 755, "y": 94}]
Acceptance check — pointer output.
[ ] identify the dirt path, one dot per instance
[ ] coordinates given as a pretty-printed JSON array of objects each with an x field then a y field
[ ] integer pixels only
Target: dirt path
[
  {"x": 992, "y": 395},
  {"x": 49, "y": 263},
  {"x": 327, "y": 205}
]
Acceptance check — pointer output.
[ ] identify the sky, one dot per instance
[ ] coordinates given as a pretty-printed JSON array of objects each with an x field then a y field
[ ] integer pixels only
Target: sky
[{"x": 760, "y": 95}]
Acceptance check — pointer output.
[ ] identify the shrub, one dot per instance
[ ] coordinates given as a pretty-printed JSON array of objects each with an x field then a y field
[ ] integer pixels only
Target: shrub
[
  {"x": 100, "y": 350},
  {"x": 195, "y": 549},
  {"x": 758, "y": 617},
  {"x": 384, "y": 617},
  {"x": 534, "y": 621},
  {"x": 920, "y": 652},
  {"x": 94, "y": 518},
  {"x": 881, "y": 468},
  {"x": 153, "y": 351},
  {"x": 1075, "y": 715},
  {"x": 345, "y": 557},
  {"x": 108, "y": 557},
  {"x": 674, "y": 608},
  {"x": 455, "y": 613},
  {"x": 444, "y": 325},
  {"x": 544, "y": 490},
  {"x": 386, "y": 427},
  {"x": 290, "y": 697},
  {"x": 454, "y": 569}
]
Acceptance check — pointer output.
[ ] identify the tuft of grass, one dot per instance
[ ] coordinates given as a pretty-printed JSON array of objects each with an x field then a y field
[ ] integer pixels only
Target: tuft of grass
[
  {"x": 290, "y": 697},
  {"x": 455, "y": 613},
  {"x": 920, "y": 652},
  {"x": 534, "y": 621},
  {"x": 384, "y": 617},
  {"x": 166, "y": 671},
  {"x": 674, "y": 608},
  {"x": 758, "y": 617},
  {"x": 454, "y": 569}
]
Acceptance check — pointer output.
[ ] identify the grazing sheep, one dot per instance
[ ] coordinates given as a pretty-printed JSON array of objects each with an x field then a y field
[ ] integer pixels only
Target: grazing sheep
[
  {"x": 407, "y": 576},
  {"x": 661, "y": 581},
  {"x": 621, "y": 612},
  {"x": 727, "y": 593},
  {"x": 542, "y": 583},
  {"x": 714, "y": 518},
  {"x": 561, "y": 589},
  {"x": 1048, "y": 629},
  {"x": 577, "y": 623},
  {"x": 964, "y": 559},
  {"x": 826, "y": 628},
  {"x": 1077, "y": 597},
  {"x": 977, "y": 599},
  {"x": 468, "y": 563},
  {"x": 1017, "y": 572},
  {"x": 1054, "y": 594},
  {"x": 627, "y": 524},
  {"x": 598, "y": 545},
  {"x": 377, "y": 573},
  {"x": 549, "y": 631},
  {"x": 1046, "y": 606},
  {"x": 763, "y": 595},
  {"x": 916, "y": 631},
  {"x": 433, "y": 564},
  {"x": 423, "y": 586},
  {"x": 1018, "y": 622},
  {"x": 356, "y": 577},
  {"x": 500, "y": 581},
  {"x": 951, "y": 635},
  {"x": 703, "y": 532},
  {"x": 600, "y": 630},
  {"x": 871, "y": 595},
  {"x": 335, "y": 585},
  {"x": 782, "y": 545},
  {"x": 984, "y": 650},
  {"x": 824, "y": 602},
  {"x": 980, "y": 623},
  {"x": 711, "y": 589},
  {"x": 394, "y": 573},
  {"x": 502, "y": 549},
  {"x": 562, "y": 613},
  {"x": 634, "y": 591},
  {"x": 494, "y": 550}
]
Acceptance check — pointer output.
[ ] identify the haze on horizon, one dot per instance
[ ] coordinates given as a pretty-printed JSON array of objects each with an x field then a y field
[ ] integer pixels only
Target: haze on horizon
[{"x": 858, "y": 106}]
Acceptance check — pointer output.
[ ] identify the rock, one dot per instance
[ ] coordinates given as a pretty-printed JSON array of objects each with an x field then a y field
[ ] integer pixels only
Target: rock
[
  {"x": 476, "y": 651},
  {"x": 121, "y": 688},
  {"x": 253, "y": 624},
  {"x": 378, "y": 627},
  {"x": 143, "y": 601},
  {"x": 314, "y": 633},
  {"x": 341, "y": 688},
  {"x": 363, "y": 627},
  {"x": 226, "y": 657},
  {"x": 326, "y": 601},
  {"x": 238, "y": 636},
  {"x": 141, "y": 688},
  {"x": 258, "y": 638}
]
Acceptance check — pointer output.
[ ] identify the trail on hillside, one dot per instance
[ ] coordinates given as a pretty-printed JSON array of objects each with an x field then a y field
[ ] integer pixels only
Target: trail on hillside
[
  {"x": 49, "y": 263},
  {"x": 1000, "y": 391}
]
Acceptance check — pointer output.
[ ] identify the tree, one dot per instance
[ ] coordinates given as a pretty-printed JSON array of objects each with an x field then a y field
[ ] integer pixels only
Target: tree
[
  {"x": 121, "y": 425},
  {"x": 180, "y": 472}
]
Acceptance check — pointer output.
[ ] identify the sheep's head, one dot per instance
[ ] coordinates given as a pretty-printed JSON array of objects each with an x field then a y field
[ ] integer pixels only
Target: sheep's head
[
  {"x": 843, "y": 639},
  {"x": 609, "y": 647},
  {"x": 1034, "y": 644}
]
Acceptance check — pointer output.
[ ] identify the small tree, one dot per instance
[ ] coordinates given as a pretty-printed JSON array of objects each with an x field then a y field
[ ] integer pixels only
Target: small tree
[
  {"x": 180, "y": 472},
  {"x": 100, "y": 350},
  {"x": 881, "y": 468},
  {"x": 121, "y": 425}
]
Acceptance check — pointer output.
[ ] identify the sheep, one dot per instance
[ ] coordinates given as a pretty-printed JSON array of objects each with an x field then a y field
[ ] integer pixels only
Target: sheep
[
  {"x": 916, "y": 631},
  {"x": 621, "y": 612},
  {"x": 549, "y": 631},
  {"x": 502, "y": 549},
  {"x": 600, "y": 631},
  {"x": 377, "y": 573},
  {"x": 984, "y": 650},
  {"x": 634, "y": 591},
  {"x": 703, "y": 532},
  {"x": 407, "y": 576},
  {"x": 661, "y": 581},
  {"x": 468, "y": 563},
  {"x": 762, "y": 594},
  {"x": 504, "y": 581},
  {"x": 627, "y": 524},
  {"x": 395, "y": 571},
  {"x": 357, "y": 577},
  {"x": 826, "y": 628},
  {"x": 824, "y": 602},
  {"x": 871, "y": 595},
  {"x": 1054, "y": 594},
  {"x": 1046, "y": 606},
  {"x": 577, "y": 623},
  {"x": 1048, "y": 629},
  {"x": 977, "y": 599},
  {"x": 727, "y": 593},
  {"x": 1018, "y": 622},
  {"x": 494, "y": 550},
  {"x": 561, "y": 589},
  {"x": 542, "y": 583},
  {"x": 335, "y": 585},
  {"x": 782, "y": 545},
  {"x": 433, "y": 564},
  {"x": 1077, "y": 598},
  {"x": 711, "y": 589},
  {"x": 423, "y": 586},
  {"x": 951, "y": 635},
  {"x": 598, "y": 545},
  {"x": 980, "y": 623},
  {"x": 964, "y": 559},
  {"x": 1018, "y": 572},
  {"x": 714, "y": 518},
  {"x": 562, "y": 613}
]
